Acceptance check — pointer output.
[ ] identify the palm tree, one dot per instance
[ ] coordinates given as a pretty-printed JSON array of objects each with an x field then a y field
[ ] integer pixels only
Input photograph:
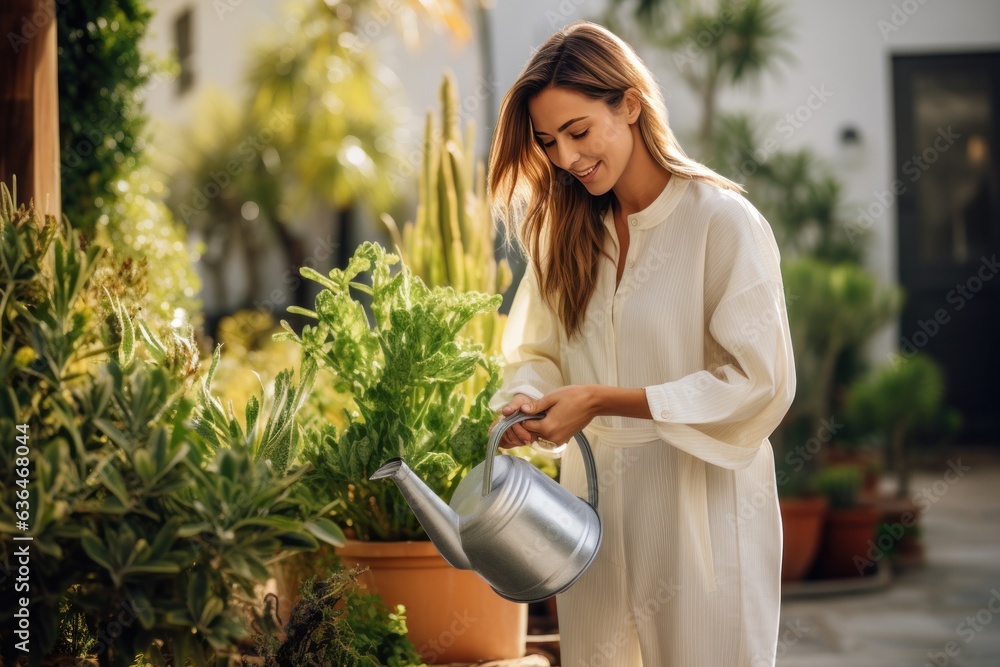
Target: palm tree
[
  {"x": 320, "y": 72},
  {"x": 713, "y": 42}
]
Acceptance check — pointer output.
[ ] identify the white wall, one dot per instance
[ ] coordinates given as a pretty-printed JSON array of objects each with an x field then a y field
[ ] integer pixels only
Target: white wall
[{"x": 224, "y": 32}]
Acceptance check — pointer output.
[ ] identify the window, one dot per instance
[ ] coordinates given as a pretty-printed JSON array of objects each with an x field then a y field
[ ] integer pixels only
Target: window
[{"x": 183, "y": 43}]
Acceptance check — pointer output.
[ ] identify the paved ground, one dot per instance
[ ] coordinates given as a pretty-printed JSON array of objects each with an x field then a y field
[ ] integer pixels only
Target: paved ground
[{"x": 945, "y": 614}]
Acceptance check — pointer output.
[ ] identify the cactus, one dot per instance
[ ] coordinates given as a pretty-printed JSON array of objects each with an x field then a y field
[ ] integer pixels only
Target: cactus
[{"x": 452, "y": 241}]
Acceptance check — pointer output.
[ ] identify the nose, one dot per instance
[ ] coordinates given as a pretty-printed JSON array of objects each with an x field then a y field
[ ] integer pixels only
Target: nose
[{"x": 567, "y": 155}]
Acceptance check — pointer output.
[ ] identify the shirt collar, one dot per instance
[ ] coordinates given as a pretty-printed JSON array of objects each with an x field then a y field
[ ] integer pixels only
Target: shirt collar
[{"x": 659, "y": 210}]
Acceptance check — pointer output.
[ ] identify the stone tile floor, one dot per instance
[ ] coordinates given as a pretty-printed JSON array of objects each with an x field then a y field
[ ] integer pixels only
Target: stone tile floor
[{"x": 946, "y": 613}]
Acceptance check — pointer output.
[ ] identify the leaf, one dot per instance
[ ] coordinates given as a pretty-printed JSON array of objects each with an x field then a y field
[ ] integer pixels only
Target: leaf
[
  {"x": 297, "y": 541},
  {"x": 114, "y": 483},
  {"x": 153, "y": 344},
  {"x": 112, "y": 431},
  {"x": 154, "y": 567},
  {"x": 326, "y": 531},
  {"x": 165, "y": 537},
  {"x": 211, "y": 610},
  {"x": 252, "y": 411},
  {"x": 248, "y": 567},
  {"x": 197, "y": 590},
  {"x": 126, "y": 349},
  {"x": 142, "y": 607},
  {"x": 97, "y": 552},
  {"x": 469, "y": 442},
  {"x": 192, "y": 529},
  {"x": 142, "y": 462},
  {"x": 276, "y": 522},
  {"x": 179, "y": 617}
]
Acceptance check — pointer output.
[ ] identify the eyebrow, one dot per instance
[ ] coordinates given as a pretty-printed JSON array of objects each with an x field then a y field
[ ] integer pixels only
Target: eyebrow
[{"x": 565, "y": 125}]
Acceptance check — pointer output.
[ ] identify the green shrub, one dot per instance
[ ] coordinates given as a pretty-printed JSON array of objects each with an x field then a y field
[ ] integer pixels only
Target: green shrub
[
  {"x": 896, "y": 402},
  {"x": 147, "y": 536},
  {"x": 404, "y": 373},
  {"x": 841, "y": 485}
]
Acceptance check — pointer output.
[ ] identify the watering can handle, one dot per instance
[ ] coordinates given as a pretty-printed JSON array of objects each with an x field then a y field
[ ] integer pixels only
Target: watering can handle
[{"x": 507, "y": 422}]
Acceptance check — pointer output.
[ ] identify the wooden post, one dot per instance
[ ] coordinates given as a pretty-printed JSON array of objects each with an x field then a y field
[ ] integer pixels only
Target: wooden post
[{"x": 29, "y": 102}]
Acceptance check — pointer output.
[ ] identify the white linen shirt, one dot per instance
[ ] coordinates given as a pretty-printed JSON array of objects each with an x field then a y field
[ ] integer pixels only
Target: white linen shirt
[{"x": 699, "y": 321}]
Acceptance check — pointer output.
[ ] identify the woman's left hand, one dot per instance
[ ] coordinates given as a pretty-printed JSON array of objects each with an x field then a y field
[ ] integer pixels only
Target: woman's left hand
[{"x": 567, "y": 409}]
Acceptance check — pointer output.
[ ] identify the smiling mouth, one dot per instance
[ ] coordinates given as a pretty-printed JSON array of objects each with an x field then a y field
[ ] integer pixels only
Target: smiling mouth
[{"x": 584, "y": 174}]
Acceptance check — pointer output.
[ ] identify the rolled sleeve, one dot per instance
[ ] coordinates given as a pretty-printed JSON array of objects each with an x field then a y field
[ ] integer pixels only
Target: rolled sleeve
[{"x": 723, "y": 414}]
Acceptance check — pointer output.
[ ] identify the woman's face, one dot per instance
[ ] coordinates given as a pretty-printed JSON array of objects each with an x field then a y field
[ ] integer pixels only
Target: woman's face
[{"x": 584, "y": 136}]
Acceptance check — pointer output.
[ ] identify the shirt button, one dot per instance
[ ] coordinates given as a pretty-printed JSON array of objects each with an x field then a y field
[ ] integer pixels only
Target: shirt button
[
  {"x": 664, "y": 414},
  {"x": 631, "y": 262},
  {"x": 633, "y": 221}
]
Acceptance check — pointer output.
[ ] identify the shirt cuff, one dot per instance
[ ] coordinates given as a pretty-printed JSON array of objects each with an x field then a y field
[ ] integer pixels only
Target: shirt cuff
[
  {"x": 504, "y": 396},
  {"x": 656, "y": 399}
]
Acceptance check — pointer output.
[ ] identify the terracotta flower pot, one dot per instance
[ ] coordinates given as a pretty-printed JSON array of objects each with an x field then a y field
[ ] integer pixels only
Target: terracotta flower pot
[
  {"x": 801, "y": 530},
  {"x": 870, "y": 462},
  {"x": 847, "y": 538},
  {"x": 452, "y": 615},
  {"x": 902, "y": 541}
]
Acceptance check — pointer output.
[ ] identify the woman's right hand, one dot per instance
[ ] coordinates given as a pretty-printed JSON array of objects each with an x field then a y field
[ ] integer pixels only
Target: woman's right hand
[{"x": 516, "y": 435}]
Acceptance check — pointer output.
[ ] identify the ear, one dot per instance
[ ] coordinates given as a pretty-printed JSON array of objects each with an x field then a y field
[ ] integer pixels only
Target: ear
[{"x": 633, "y": 105}]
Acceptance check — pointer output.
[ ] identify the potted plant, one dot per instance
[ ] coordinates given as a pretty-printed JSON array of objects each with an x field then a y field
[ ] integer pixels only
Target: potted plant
[
  {"x": 850, "y": 526},
  {"x": 336, "y": 623},
  {"x": 404, "y": 372},
  {"x": 802, "y": 516},
  {"x": 449, "y": 245},
  {"x": 895, "y": 403},
  {"x": 831, "y": 306},
  {"x": 145, "y": 541}
]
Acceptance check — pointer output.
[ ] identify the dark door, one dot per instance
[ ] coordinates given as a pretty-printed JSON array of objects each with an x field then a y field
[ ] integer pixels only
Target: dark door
[{"x": 946, "y": 113}]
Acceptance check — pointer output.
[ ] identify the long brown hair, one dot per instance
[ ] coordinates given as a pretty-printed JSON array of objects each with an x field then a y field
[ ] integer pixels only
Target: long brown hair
[{"x": 550, "y": 213}]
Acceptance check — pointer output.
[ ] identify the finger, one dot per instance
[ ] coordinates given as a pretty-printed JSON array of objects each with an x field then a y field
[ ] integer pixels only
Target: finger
[
  {"x": 535, "y": 427},
  {"x": 511, "y": 439},
  {"x": 515, "y": 404},
  {"x": 523, "y": 434},
  {"x": 537, "y": 405}
]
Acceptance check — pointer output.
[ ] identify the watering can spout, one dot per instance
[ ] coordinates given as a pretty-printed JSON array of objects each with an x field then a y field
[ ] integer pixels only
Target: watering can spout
[{"x": 439, "y": 521}]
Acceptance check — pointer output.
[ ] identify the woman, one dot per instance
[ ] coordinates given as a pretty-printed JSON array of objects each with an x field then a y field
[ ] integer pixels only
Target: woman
[{"x": 651, "y": 316}]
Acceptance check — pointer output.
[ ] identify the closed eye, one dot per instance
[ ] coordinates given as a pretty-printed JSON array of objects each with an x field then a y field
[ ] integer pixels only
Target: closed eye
[{"x": 575, "y": 136}]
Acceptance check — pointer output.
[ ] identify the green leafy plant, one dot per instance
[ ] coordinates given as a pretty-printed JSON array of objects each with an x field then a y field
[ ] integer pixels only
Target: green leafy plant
[
  {"x": 897, "y": 401},
  {"x": 841, "y": 485},
  {"x": 796, "y": 191},
  {"x": 110, "y": 189},
  {"x": 278, "y": 439},
  {"x": 830, "y": 307},
  {"x": 452, "y": 242},
  {"x": 149, "y": 539},
  {"x": 336, "y": 623},
  {"x": 102, "y": 72},
  {"x": 403, "y": 372}
]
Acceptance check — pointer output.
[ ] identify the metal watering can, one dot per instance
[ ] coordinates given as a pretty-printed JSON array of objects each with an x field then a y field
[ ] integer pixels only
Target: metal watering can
[{"x": 528, "y": 537}]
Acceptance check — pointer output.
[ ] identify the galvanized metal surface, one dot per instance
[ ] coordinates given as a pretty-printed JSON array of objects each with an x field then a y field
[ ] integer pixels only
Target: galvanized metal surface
[{"x": 527, "y": 536}]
